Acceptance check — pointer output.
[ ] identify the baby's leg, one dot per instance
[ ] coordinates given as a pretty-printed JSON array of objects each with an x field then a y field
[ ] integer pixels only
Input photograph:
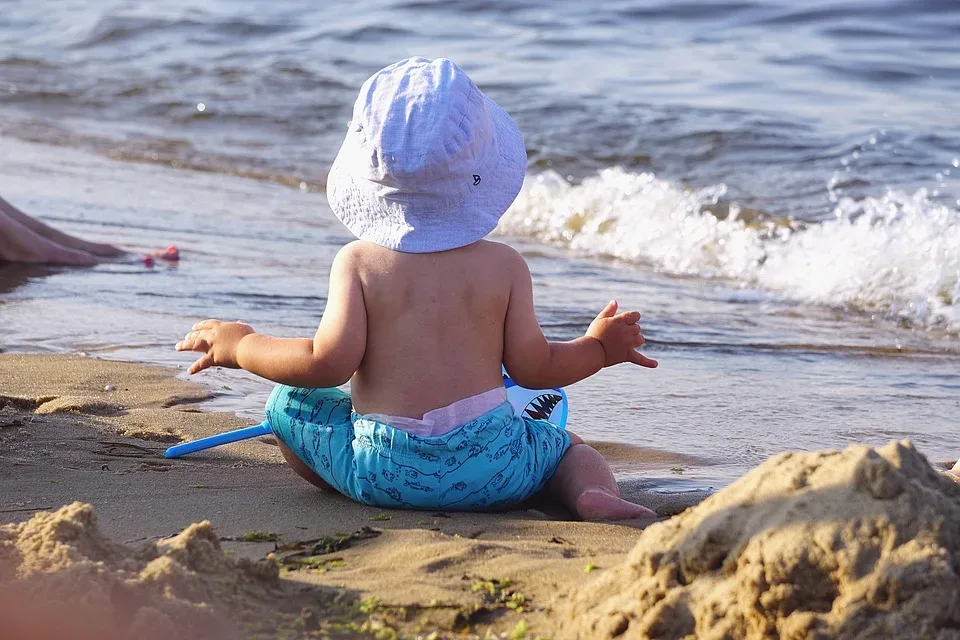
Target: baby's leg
[
  {"x": 584, "y": 483},
  {"x": 301, "y": 468}
]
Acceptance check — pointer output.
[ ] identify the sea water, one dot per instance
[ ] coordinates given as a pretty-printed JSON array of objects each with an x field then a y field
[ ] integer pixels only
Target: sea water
[{"x": 774, "y": 185}]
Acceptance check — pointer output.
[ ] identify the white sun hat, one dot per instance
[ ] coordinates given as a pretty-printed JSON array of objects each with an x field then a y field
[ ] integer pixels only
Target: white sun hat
[{"x": 429, "y": 162}]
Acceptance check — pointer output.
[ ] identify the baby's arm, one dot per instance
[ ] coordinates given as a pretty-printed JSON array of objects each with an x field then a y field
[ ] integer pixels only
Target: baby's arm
[
  {"x": 328, "y": 360},
  {"x": 534, "y": 363}
]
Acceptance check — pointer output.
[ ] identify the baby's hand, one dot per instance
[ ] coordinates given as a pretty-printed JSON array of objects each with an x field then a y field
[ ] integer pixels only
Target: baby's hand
[
  {"x": 619, "y": 335},
  {"x": 217, "y": 340}
]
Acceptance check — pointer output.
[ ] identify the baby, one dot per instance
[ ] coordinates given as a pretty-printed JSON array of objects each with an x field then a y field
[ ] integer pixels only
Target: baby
[{"x": 421, "y": 313}]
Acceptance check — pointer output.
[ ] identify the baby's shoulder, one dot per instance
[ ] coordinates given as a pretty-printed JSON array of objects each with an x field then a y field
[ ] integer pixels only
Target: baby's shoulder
[
  {"x": 359, "y": 252},
  {"x": 507, "y": 261},
  {"x": 500, "y": 253},
  {"x": 485, "y": 258},
  {"x": 489, "y": 260},
  {"x": 356, "y": 248}
]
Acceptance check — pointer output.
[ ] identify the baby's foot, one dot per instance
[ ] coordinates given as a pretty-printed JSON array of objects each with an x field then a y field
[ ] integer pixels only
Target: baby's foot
[{"x": 597, "y": 503}]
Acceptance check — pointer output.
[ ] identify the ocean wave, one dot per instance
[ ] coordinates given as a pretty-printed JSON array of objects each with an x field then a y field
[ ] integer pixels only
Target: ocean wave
[{"x": 897, "y": 254}]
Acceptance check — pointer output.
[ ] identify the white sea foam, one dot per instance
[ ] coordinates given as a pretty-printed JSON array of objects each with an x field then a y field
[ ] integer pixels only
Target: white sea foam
[{"x": 896, "y": 254}]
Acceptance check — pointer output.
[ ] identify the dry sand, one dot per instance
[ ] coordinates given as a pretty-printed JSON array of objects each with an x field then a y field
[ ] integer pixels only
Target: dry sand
[
  {"x": 61, "y": 578},
  {"x": 345, "y": 570},
  {"x": 863, "y": 543}
]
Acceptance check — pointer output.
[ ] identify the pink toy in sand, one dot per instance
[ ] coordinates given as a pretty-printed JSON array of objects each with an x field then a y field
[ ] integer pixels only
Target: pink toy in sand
[{"x": 170, "y": 254}]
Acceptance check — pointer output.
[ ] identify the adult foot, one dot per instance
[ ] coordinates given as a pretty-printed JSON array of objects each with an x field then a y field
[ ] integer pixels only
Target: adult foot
[
  {"x": 101, "y": 250},
  {"x": 599, "y": 504},
  {"x": 10, "y": 215},
  {"x": 20, "y": 244},
  {"x": 76, "y": 244},
  {"x": 51, "y": 253}
]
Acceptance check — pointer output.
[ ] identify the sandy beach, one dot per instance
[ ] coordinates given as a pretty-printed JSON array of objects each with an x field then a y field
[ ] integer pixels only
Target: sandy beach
[
  {"x": 65, "y": 439},
  {"x": 229, "y": 543},
  {"x": 775, "y": 186}
]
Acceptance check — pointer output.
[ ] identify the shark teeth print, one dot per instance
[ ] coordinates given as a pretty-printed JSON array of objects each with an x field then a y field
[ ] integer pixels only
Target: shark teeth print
[{"x": 542, "y": 406}]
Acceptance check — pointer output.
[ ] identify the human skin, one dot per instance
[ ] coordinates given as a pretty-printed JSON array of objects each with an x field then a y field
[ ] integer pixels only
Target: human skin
[
  {"x": 27, "y": 240},
  {"x": 414, "y": 332}
]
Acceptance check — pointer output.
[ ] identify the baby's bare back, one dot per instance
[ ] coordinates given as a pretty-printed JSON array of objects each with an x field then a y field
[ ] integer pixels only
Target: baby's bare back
[{"x": 434, "y": 326}]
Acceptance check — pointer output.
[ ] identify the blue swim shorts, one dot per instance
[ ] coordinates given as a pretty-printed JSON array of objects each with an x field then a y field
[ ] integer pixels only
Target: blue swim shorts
[{"x": 497, "y": 460}]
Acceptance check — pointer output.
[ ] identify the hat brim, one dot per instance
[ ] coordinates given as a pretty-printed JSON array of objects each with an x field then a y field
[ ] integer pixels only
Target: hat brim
[{"x": 369, "y": 217}]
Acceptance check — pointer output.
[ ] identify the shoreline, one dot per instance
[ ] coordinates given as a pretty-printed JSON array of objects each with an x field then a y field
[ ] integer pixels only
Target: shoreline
[
  {"x": 229, "y": 543},
  {"x": 64, "y": 438},
  {"x": 743, "y": 376}
]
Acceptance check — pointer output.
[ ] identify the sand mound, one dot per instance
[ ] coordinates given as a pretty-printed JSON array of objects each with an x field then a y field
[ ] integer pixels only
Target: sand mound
[
  {"x": 863, "y": 543},
  {"x": 59, "y": 578}
]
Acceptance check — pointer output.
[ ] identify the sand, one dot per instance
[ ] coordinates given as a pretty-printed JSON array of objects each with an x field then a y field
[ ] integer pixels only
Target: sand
[
  {"x": 107, "y": 539},
  {"x": 121, "y": 515},
  {"x": 61, "y": 578},
  {"x": 863, "y": 543}
]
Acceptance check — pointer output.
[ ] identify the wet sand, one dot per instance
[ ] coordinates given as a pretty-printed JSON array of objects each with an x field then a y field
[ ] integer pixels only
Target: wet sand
[
  {"x": 107, "y": 539},
  {"x": 64, "y": 438}
]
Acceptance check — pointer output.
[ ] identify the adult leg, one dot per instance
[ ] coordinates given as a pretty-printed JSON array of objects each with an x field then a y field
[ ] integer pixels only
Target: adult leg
[
  {"x": 584, "y": 483},
  {"x": 19, "y": 243},
  {"x": 57, "y": 237}
]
